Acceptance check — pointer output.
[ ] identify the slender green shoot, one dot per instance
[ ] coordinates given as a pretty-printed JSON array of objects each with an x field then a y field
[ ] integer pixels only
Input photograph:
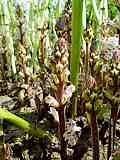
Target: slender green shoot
[
  {"x": 77, "y": 7},
  {"x": 20, "y": 122}
]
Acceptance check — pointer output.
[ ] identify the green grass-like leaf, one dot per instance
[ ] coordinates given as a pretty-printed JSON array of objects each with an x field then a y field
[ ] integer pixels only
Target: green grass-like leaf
[{"x": 12, "y": 118}]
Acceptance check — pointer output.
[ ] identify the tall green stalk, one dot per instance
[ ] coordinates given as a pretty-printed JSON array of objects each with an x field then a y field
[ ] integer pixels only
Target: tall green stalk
[
  {"x": 96, "y": 10},
  {"x": 77, "y": 27}
]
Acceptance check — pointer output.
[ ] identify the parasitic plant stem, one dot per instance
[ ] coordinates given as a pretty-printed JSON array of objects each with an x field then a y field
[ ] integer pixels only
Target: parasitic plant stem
[
  {"x": 60, "y": 91},
  {"x": 95, "y": 136}
]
